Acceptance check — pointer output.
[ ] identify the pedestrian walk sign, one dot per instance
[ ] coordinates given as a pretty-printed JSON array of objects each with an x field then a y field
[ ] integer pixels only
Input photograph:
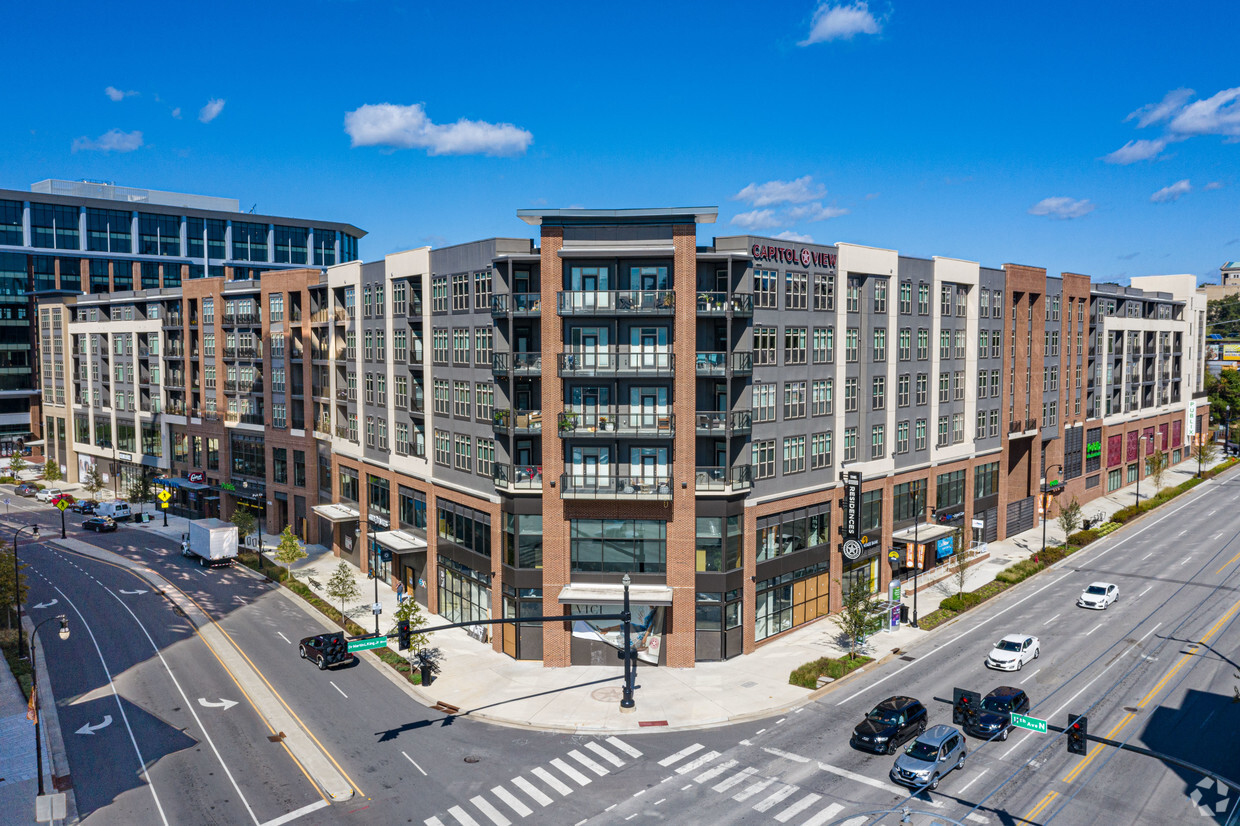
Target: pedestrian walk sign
[
  {"x": 164, "y": 495},
  {"x": 62, "y": 503}
]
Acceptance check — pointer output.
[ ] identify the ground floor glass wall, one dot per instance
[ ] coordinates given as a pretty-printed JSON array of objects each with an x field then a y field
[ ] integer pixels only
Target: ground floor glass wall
[{"x": 464, "y": 594}]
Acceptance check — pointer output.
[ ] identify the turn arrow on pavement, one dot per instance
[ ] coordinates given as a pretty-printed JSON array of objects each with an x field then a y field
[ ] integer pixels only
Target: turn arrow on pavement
[
  {"x": 132, "y": 593},
  {"x": 45, "y": 604},
  {"x": 89, "y": 729},
  {"x": 224, "y": 704}
]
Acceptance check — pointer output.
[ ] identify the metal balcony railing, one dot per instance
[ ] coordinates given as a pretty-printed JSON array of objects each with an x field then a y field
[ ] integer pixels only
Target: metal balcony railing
[
  {"x": 722, "y": 422},
  {"x": 614, "y": 361},
  {"x": 519, "y": 304},
  {"x": 609, "y": 422},
  {"x": 516, "y": 421},
  {"x": 718, "y": 304},
  {"x": 520, "y": 364},
  {"x": 623, "y": 485},
  {"x": 616, "y": 302},
  {"x": 724, "y": 479}
]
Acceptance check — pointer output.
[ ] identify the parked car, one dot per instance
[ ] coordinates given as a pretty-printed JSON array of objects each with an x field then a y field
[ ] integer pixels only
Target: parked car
[
  {"x": 1099, "y": 595},
  {"x": 1013, "y": 651},
  {"x": 929, "y": 758},
  {"x": 325, "y": 649},
  {"x": 889, "y": 725},
  {"x": 993, "y": 720},
  {"x": 48, "y": 494},
  {"x": 99, "y": 524},
  {"x": 84, "y": 506},
  {"x": 25, "y": 489}
]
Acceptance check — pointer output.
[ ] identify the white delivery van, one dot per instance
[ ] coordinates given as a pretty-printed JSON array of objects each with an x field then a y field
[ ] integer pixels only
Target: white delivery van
[{"x": 116, "y": 509}]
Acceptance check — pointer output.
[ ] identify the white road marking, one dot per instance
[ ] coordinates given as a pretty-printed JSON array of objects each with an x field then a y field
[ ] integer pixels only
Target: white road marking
[
  {"x": 1147, "y": 556},
  {"x": 415, "y": 764},
  {"x": 624, "y": 747},
  {"x": 604, "y": 753},
  {"x": 780, "y": 720},
  {"x": 513, "y": 803},
  {"x": 799, "y": 710},
  {"x": 1052, "y": 619},
  {"x": 1181, "y": 533},
  {"x": 860, "y": 778},
  {"x": 773, "y": 800},
  {"x": 825, "y": 815},
  {"x": 1095, "y": 628},
  {"x": 796, "y": 758},
  {"x": 433, "y": 821},
  {"x": 1147, "y": 633},
  {"x": 461, "y": 817},
  {"x": 759, "y": 731},
  {"x": 490, "y": 811},
  {"x": 681, "y": 755},
  {"x": 581, "y": 779},
  {"x": 746, "y": 743},
  {"x": 750, "y": 791},
  {"x": 741, "y": 776},
  {"x": 1030, "y": 677},
  {"x": 587, "y": 762},
  {"x": 798, "y": 807},
  {"x": 533, "y": 791},
  {"x": 342, "y": 694},
  {"x": 1146, "y": 591},
  {"x": 712, "y": 773},
  {"x": 976, "y": 818},
  {"x": 697, "y": 763},
  {"x": 293, "y": 815},
  {"x": 1185, "y": 560},
  {"x": 972, "y": 780},
  {"x": 551, "y": 780},
  {"x": 286, "y": 639}
]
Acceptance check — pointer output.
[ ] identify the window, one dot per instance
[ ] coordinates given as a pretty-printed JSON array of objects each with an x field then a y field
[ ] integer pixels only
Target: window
[
  {"x": 486, "y": 457},
  {"x": 983, "y": 303},
  {"x": 401, "y": 393},
  {"x": 983, "y": 345},
  {"x": 906, "y": 297},
  {"x": 484, "y": 343},
  {"x": 821, "y": 397},
  {"x": 851, "y": 344},
  {"x": 616, "y": 546},
  {"x": 944, "y": 386},
  {"x": 960, "y": 344},
  {"x": 764, "y": 402},
  {"x": 994, "y": 423},
  {"x": 996, "y": 345},
  {"x": 794, "y": 345},
  {"x": 824, "y": 292},
  {"x": 850, "y": 394},
  {"x": 764, "y": 459},
  {"x": 962, "y": 301},
  {"x": 981, "y": 424},
  {"x": 877, "y": 441},
  {"x": 994, "y": 384},
  {"x": 820, "y": 451},
  {"x": 795, "y": 297},
  {"x": 764, "y": 345},
  {"x": 902, "y": 437},
  {"x": 460, "y": 291},
  {"x": 439, "y": 346},
  {"x": 460, "y": 399},
  {"x": 945, "y": 300},
  {"x": 369, "y": 338},
  {"x": 439, "y": 294},
  {"x": 981, "y": 384},
  {"x": 923, "y": 299},
  {"x": 482, "y": 290},
  {"x": 906, "y": 344},
  {"x": 794, "y": 454},
  {"x": 850, "y": 444},
  {"x": 996, "y": 304},
  {"x": 441, "y": 396},
  {"x": 824, "y": 345},
  {"x": 291, "y": 243},
  {"x": 462, "y": 452},
  {"x": 880, "y": 296},
  {"x": 949, "y": 490},
  {"x": 794, "y": 401},
  {"x": 902, "y": 390},
  {"x": 880, "y": 345},
  {"x": 443, "y": 448},
  {"x": 943, "y": 432},
  {"x": 945, "y": 345},
  {"x": 878, "y": 395},
  {"x": 765, "y": 286},
  {"x": 854, "y": 295},
  {"x": 923, "y": 344},
  {"x": 923, "y": 383},
  {"x": 400, "y": 346},
  {"x": 484, "y": 401},
  {"x": 957, "y": 428},
  {"x": 958, "y": 385},
  {"x": 919, "y": 435},
  {"x": 460, "y": 347},
  {"x": 985, "y": 480}
]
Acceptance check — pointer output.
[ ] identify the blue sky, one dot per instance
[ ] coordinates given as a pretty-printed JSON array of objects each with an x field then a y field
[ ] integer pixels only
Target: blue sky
[{"x": 1085, "y": 137}]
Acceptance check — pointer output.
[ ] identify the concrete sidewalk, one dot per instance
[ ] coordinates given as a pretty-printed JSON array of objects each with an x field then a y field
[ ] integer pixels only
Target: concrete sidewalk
[{"x": 494, "y": 687}]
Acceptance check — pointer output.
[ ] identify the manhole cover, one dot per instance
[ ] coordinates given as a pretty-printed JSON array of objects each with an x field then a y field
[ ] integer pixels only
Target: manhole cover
[
  {"x": 471, "y": 759},
  {"x": 610, "y": 694},
  {"x": 749, "y": 684},
  {"x": 908, "y": 659}
]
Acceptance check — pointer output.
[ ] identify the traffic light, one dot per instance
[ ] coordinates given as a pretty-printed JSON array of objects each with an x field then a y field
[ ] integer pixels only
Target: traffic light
[
  {"x": 334, "y": 648},
  {"x": 1078, "y": 730},
  {"x": 965, "y": 704},
  {"x": 403, "y": 635}
]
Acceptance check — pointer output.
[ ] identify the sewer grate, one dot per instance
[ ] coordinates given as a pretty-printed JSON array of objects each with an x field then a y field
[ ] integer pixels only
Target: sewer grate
[
  {"x": 907, "y": 658},
  {"x": 749, "y": 684}
]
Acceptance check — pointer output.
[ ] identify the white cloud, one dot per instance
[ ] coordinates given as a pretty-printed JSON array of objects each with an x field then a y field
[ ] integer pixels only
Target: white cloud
[
  {"x": 1134, "y": 151},
  {"x": 114, "y": 140},
  {"x": 1171, "y": 193},
  {"x": 757, "y": 219},
  {"x": 782, "y": 192},
  {"x": 1216, "y": 115},
  {"x": 409, "y": 127},
  {"x": 1213, "y": 185},
  {"x": 1163, "y": 110},
  {"x": 815, "y": 212},
  {"x": 118, "y": 94},
  {"x": 789, "y": 235},
  {"x": 1062, "y": 208},
  {"x": 841, "y": 23},
  {"x": 212, "y": 110},
  {"x": 176, "y": 113}
]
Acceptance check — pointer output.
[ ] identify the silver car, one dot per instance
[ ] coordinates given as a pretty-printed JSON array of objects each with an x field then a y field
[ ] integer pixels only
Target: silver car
[{"x": 929, "y": 758}]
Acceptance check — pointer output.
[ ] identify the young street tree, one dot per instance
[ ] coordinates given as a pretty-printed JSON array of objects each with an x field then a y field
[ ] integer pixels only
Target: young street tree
[
  {"x": 16, "y": 464},
  {"x": 1205, "y": 450},
  {"x": 1156, "y": 465},
  {"x": 244, "y": 519},
  {"x": 289, "y": 551},
  {"x": 858, "y": 617},
  {"x": 93, "y": 481},
  {"x": 410, "y": 610},
  {"x": 961, "y": 562},
  {"x": 51, "y": 471},
  {"x": 1069, "y": 517},
  {"x": 343, "y": 586}
]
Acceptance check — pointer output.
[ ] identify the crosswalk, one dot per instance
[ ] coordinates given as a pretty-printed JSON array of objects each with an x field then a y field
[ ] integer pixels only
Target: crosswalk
[{"x": 526, "y": 794}]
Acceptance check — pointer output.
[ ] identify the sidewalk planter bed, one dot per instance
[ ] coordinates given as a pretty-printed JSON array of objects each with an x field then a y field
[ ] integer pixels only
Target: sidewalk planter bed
[
  {"x": 807, "y": 675},
  {"x": 20, "y": 668}
]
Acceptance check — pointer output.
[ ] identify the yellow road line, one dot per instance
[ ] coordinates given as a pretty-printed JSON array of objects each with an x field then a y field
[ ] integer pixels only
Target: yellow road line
[
  {"x": 1037, "y": 810},
  {"x": 1233, "y": 559}
]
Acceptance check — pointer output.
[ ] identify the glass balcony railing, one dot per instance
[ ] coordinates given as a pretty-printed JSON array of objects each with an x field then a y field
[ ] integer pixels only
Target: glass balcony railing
[
  {"x": 519, "y": 304},
  {"x": 718, "y": 304},
  {"x": 606, "y": 422},
  {"x": 740, "y": 362},
  {"x": 622, "y": 485},
  {"x": 516, "y": 421},
  {"x": 723, "y": 422},
  {"x": 616, "y": 302},
  {"x": 521, "y": 364},
  {"x": 723, "y": 479},
  {"x": 517, "y": 477},
  {"x": 615, "y": 361}
]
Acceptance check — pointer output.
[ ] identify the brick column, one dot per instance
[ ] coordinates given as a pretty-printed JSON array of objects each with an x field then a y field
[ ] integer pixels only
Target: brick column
[{"x": 556, "y": 559}]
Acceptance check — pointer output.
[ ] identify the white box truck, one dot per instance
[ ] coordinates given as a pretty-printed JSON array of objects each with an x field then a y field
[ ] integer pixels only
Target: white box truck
[{"x": 213, "y": 541}]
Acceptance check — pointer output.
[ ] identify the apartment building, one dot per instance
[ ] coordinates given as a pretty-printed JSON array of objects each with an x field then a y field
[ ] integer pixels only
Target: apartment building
[{"x": 747, "y": 429}]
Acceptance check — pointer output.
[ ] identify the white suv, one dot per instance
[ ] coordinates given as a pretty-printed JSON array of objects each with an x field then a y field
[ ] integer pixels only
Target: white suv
[{"x": 48, "y": 494}]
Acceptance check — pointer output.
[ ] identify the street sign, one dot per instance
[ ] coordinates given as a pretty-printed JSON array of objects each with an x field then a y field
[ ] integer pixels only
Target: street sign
[
  {"x": 1030, "y": 723},
  {"x": 63, "y": 504},
  {"x": 379, "y": 642},
  {"x": 164, "y": 495},
  {"x": 163, "y": 505}
]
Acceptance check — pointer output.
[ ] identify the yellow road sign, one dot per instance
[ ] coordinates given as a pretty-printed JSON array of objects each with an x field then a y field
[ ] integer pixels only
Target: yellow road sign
[
  {"x": 164, "y": 496},
  {"x": 163, "y": 504},
  {"x": 63, "y": 504}
]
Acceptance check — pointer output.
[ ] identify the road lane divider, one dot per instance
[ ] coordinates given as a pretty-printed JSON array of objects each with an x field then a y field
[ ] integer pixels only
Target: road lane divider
[
  {"x": 1037, "y": 810},
  {"x": 319, "y": 766}
]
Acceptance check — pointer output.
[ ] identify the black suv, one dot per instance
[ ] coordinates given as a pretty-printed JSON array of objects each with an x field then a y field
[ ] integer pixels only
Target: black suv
[
  {"x": 993, "y": 720},
  {"x": 325, "y": 650},
  {"x": 890, "y": 724}
]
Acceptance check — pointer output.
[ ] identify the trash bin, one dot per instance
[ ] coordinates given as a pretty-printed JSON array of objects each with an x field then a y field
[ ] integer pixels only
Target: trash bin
[{"x": 903, "y": 614}]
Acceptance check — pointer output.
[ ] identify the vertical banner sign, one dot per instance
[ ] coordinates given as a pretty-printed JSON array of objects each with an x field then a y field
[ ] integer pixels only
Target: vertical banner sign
[
  {"x": 852, "y": 515},
  {"x": 1190, "y": 423}
]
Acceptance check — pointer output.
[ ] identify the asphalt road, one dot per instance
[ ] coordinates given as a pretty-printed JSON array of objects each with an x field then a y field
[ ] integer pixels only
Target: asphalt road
[{"x": 1154, "y": 670}]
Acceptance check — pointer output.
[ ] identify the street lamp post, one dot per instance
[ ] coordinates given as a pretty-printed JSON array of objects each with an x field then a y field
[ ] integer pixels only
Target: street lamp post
[
  {"x": 916, "y": 485},
  {"x": 1226, "y": 430},
  {"x": 627, "y": 620},
  {"x": 34, "y": 691},
  {"x": 17, "y": 591},
  {"x": 1046, "y": 508}
]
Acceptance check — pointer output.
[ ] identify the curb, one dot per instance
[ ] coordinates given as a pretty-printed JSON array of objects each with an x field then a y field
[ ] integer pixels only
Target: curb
[{"x": 52, "y": 735}]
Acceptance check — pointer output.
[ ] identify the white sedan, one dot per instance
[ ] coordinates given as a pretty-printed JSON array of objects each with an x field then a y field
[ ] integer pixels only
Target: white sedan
[
  {"x": 1013, "y": 651},
  {"x": 1098, "y": 595}
]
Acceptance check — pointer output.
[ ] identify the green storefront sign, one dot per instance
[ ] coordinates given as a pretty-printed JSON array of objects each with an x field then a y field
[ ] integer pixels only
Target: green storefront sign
[{"x": 1093, "y": 450}]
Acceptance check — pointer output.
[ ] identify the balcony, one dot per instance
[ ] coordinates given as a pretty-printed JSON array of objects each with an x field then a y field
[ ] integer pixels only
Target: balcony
[
  {"x": 342, "y": 432},
  {"x": 614, "y": 361},
  {"x": 526, "y": 305},
  {"x": 616, "y": 302},
  {"x": 605, "y": 422},
  {"x": 323, "y": 426},
  {"x": 519, "y": 364},
  {"x": 241, "y": 353},
  {"x": 320, "y": 354},
  {"x": 723, "y": 479},
  {"x": 243, "y": 418},
  {"x": 173, "y": 320},
  {"x": 739, "y": 362},
  {"x": 518, "y": 421},
  {"x": 175, "y": 408},
  {"x": 341, "y": 315},
  {"x": 723, "y": 422},
  {"x": 718, "y": 304},
  {"x": 517, "y": 477},
  {"x": 321, "y": 316},
  {"x": 242, "y": 319},
  {"x": 624, "y": 485}
]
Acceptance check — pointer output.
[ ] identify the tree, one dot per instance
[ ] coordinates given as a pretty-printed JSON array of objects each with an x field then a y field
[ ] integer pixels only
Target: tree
[
  {"x": 410, "y": 610},
  {"x": 16, "y": 464},
  {"x": 1069, "y": 517},
  {"x": 859, "y": 615},
  {"x": 94, "y": 480},
  {"x": 1156, "y": 465},
  {"x": 1223, "y": 391},
  {"x": 289, "y": 550},
  {"x": 244, "y": 519},
  {"x": 51, "y": 471},
  {"x": 6, "y": 582},
  {"x": 960, "y": 563},
  {"x": 1205, "y": 449},
  {"x": 140, "y": 489},
  {"x": 343, "y": 586}
]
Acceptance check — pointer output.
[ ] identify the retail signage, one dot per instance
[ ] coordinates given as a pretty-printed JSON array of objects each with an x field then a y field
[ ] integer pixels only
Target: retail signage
[
  {"x": 381, "y": 521},
  {"x": 1093, "y": 450},
  {"x": 125, "y": 457},
  {"x": 197, "y": 477},
  {"x": 227, "y": 486},
  {"x": 944, "y": 547},
  {"x": 790, "y": 255},
  {"x": 852, "y": 504},
  {"x": 1190, "y": 429}
]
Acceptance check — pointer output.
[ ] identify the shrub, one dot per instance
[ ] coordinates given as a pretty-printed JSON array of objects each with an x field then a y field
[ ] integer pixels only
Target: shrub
[
  {"x": 807, "y": 675},
  {"x": 961, "y": 602},
  {"x": 1082, "y": 538},
  {"x": 1019, "y": 572}
]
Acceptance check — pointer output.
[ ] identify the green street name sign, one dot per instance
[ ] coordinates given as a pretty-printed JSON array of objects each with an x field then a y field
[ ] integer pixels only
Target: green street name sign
[
  {"x": 1018, "y": 720},
  {"x": 380, "y": 642}
]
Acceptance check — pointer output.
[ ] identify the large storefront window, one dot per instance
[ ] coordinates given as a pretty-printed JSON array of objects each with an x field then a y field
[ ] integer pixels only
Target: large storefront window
[
  {"x": 646, "y": 631},
  {"x": 380, "y": 561},
  {"x": 985, "y": 480},
  {"x": 348, "y": 485},
  {"x": 715, "y": 615},
  {"x": 636, "y": 546},
  {"x": 720, "y": 543},
  {"x": 464, "y": 594},
  {"x": 905, "y": 500},
  {"x": 949, "y": 491},
  {"x": 412, "y": 510},
  {"x": 793, "y": 599},
  {"x": 794, "y": 530},
  {"x": 872, "y": 511},
  {"x": 522, "y": 640},
  {"x": 378, "y": 496},
  {"x": 249, "y": 456},
  {"x": 523, "y": 540},
  {"x": 464, "y": 526},
  {"x": 860, "y": 574}
]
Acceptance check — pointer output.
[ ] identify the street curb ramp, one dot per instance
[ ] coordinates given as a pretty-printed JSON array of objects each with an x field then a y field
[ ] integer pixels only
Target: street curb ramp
[{"x": 273, "y": 711}]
